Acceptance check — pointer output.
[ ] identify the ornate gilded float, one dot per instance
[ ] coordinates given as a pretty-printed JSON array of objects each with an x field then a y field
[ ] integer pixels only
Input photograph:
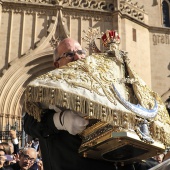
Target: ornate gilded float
[{"x": 128, "y": 121}]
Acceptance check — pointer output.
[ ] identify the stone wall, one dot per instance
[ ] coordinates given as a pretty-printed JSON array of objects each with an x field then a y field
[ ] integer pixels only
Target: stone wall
[{"x": 29, "y": 28}]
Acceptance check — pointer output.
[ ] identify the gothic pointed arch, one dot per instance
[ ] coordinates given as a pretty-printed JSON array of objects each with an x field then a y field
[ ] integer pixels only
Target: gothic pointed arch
[{"x": 22, "y": 70}]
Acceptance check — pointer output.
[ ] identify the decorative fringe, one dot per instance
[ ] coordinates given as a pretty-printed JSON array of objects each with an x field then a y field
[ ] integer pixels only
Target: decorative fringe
[
  {"x": 34, "y": 110},
  {"x": 91, "y": 109},
  {"x": 68, "y": 100}
]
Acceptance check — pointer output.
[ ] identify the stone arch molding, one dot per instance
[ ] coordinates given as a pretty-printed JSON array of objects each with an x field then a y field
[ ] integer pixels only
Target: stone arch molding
[{"x": 22, "y": 71}]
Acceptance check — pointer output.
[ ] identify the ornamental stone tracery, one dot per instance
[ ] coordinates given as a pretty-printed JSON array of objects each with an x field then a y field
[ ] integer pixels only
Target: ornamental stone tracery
[
  {"x": 80, "y": 4},
  {"x": 28, "y": 10},
  {"x": 87, "y": 16},
  {"x": 132, "y": 9},
  {"x": 126, "y": 7}
]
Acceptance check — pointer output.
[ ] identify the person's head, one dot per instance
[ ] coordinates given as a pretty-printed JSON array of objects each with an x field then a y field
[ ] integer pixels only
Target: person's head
[
  {"x": 27, "y": 157},
  {"x": 159, "y": 158},
  {"x": 13, "y": 134},
  {"x": 2, "y": 157},
  {"x": 2, "y": 152},
  {"x": 67, "y": 51},
  {"x": 6, "y": 147}
]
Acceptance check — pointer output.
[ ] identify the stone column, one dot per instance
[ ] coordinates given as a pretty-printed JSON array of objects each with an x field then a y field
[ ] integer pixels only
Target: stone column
[{"x": 0, "y": 12}]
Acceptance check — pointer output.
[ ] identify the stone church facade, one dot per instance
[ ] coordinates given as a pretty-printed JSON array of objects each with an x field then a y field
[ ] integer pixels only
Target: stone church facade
[{"x": 30, "y": 28}]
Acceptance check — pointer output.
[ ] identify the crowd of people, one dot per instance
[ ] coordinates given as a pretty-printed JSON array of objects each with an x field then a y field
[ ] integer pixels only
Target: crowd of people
[
  {"x": 13, "y": 157},
  {"x": 56, "y": 135},
  {"x": 29, "y": 157}
]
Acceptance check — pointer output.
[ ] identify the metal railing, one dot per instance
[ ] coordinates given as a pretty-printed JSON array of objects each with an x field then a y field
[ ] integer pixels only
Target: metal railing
[{"x": 5, "y": 137}]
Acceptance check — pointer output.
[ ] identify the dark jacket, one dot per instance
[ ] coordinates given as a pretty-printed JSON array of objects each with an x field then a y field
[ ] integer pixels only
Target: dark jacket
[
  {"x": 2, "y": 168},
  {"x": 14, "y": 166},
  {"x": 34, "y": 166},
  {"x": 147, "y": 164},
  {"x": 16, "y": 148},
  {"x": 59, "y": 148}
]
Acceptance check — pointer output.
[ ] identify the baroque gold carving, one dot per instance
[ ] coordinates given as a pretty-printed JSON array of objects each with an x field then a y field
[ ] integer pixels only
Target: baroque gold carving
[{"x": 91, "y": 75}]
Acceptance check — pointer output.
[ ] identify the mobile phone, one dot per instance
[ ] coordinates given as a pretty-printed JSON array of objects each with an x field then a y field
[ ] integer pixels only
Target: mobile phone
[{"x": 9, "y": 157}]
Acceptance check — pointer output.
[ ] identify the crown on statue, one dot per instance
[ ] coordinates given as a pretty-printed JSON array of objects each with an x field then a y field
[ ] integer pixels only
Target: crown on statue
[{"x": 110, "y": 36}]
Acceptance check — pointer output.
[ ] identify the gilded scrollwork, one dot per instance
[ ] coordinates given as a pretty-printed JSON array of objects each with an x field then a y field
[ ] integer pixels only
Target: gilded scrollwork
[{"x": 115, "y": 119}]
